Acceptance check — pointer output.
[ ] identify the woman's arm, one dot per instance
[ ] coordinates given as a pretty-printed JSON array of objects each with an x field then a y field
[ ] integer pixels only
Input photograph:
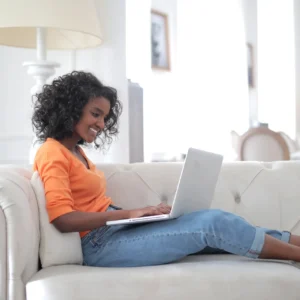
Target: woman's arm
[
  {"x": 82, "y": 221},
  {"x": 77, "y": 221}
]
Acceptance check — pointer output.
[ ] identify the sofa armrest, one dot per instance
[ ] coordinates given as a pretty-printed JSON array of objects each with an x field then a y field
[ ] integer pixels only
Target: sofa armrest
[
  {"x": 3, "y": 256},
  {"x": 19, "y": 235}
]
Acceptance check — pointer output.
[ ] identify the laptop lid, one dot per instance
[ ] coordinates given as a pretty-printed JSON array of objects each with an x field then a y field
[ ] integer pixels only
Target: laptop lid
[{"x": 197, "y": 182}]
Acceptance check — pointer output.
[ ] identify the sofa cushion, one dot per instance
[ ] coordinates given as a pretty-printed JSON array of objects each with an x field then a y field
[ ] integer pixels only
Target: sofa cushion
[
  {"x": 208, "y": 277},
  {"x": 56, "y": 248}
]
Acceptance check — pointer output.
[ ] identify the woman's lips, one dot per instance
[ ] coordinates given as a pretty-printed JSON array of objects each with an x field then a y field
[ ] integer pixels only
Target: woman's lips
[{"x": 94, "y": 132}]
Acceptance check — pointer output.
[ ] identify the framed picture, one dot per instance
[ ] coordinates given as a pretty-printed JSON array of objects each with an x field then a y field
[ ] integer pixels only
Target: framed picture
[
  {"x": 250, "y": 63},
  {"x": 160, "y": 55}
]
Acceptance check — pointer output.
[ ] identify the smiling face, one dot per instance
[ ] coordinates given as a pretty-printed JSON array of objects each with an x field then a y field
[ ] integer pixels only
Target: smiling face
[{"x": 93, "y": 119}]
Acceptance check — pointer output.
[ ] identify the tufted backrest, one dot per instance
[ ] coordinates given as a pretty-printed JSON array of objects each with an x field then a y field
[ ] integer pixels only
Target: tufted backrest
[{"x": 266, "y": 194}]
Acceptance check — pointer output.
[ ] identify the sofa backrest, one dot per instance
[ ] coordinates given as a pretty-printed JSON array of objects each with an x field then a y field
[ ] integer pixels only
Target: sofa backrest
[{"x": 266, "y": 194}]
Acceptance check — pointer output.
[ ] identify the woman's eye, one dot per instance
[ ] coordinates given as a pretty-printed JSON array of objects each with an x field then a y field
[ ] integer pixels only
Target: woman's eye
[{"x": 95, "y": 115}]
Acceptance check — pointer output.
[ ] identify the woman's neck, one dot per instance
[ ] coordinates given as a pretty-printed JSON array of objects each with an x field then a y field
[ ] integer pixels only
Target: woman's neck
[{"x": 70, "y": 143}]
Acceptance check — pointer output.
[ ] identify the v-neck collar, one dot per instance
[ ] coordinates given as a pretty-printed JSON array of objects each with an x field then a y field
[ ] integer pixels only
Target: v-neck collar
[{"x": 84, "y": 157}]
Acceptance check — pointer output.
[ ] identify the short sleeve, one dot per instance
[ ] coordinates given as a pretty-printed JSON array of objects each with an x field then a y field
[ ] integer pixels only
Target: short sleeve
[{"x": 53, "y": 167}]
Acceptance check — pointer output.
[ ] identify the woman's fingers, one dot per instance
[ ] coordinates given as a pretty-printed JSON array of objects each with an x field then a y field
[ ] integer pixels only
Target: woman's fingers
[
  {"x": 164, "y": 208},
  {"x": 152, "y": 211},
  {"x": 157, "y": 210}
]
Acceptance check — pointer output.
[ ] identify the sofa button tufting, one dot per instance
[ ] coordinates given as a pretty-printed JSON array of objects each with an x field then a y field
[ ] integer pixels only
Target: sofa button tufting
[
  {"x": 237, "y": 199},
  {"x": 164, "y": 199}
]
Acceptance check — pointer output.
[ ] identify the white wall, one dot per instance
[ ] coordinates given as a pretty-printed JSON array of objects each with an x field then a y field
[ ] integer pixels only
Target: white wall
[
  {"x": 138, "y": 46},
  {"x": 166, "y": 104},
  {"x": 158, "y": 86},
  {"x": 257, "y": 100},
  {"x": 252, "y": 32},
  {"x": 107, "y": 62},
  {"x": 297, "y": 65},
  {"x": 213, "y": 74},
  {"x": 15, "y": 101},
  {"x": 250, "y": 19},
  {"x": 276, "y": 65},
  {"x": 160, "y": 122}
]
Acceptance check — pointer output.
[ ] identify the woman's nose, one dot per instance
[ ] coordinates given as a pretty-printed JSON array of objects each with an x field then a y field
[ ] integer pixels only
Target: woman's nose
[{"x": 101, "y": 124}]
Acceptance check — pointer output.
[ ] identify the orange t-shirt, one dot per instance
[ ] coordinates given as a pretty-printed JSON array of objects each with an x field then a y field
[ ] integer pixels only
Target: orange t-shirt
[{"x": 69, "y": 185}]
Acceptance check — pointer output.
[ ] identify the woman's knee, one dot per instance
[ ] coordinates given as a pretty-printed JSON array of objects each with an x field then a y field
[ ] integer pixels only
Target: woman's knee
[{"x": 217, "y": 219}]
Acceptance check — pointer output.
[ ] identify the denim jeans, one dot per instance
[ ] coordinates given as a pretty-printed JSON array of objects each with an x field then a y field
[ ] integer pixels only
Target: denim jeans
[{"x": 205, "y": 231}]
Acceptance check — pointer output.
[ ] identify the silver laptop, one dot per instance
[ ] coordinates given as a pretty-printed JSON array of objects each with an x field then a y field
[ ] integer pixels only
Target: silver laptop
[{"x": 195, "y": 188}]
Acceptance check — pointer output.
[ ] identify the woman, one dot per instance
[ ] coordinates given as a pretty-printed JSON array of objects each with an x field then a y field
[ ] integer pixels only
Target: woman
[{"x": 78, "y": 109}]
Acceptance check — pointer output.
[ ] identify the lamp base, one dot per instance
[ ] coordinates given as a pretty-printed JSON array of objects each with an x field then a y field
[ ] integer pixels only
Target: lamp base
[{"x": 41, "y": 71}]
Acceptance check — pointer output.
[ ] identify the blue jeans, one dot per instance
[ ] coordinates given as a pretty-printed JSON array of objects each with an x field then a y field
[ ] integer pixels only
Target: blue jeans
[{"x": 205, "y": 231}]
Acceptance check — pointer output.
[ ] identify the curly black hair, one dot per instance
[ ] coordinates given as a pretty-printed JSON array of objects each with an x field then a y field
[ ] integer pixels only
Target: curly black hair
[{"x": 58, "y": 108}]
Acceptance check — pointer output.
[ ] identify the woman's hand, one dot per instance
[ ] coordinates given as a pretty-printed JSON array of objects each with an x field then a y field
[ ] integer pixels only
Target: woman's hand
[{"x": 160, "y": 209}]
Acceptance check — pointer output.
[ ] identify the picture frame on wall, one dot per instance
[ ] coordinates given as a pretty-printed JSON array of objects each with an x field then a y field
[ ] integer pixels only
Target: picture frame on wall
[
  {"x": 250, "y": 65},
  {"x": 160, "y": 49}
]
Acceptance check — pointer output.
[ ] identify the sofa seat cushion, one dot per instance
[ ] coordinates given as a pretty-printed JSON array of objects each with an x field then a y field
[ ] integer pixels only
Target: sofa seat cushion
[{"x": 196, "y": 277}]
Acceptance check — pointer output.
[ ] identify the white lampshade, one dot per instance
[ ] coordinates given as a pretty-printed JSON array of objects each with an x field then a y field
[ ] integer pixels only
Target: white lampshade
[{"x": 70, "y": 24}]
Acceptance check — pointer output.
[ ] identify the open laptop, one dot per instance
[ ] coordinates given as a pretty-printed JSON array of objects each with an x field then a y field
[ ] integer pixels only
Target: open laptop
[{"x": 195, "y": 189}]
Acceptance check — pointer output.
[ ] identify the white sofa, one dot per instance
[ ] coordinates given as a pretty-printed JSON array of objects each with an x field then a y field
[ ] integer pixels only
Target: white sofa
[{"x": 266, "y": 194}]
